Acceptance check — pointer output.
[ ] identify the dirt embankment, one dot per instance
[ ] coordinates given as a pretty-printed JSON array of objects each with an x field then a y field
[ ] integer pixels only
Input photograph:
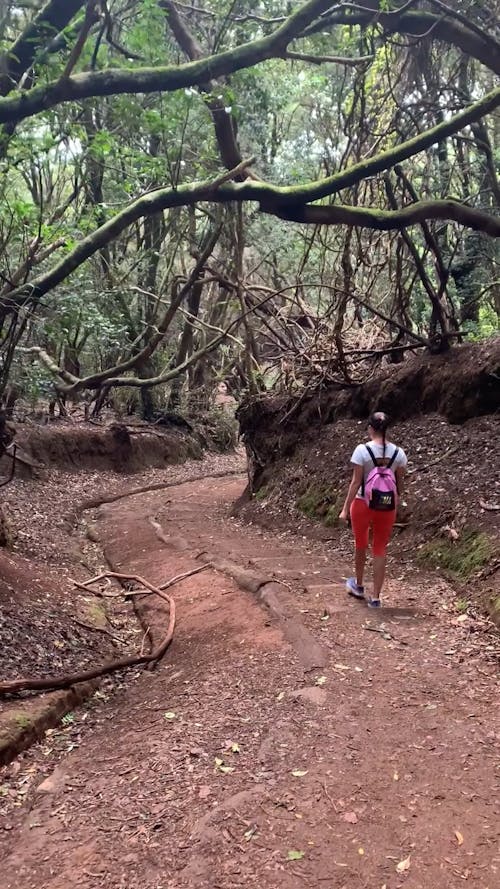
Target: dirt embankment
[
  {"x": 459, "y": 385},
  {"x": 446, "y": 417},
  {"x": 117, "y": 447},
  {"x": 120, "y": 446}
]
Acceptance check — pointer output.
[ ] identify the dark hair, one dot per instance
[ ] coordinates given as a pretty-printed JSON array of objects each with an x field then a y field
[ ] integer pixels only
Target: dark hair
[{"x": 380, "y": 423}]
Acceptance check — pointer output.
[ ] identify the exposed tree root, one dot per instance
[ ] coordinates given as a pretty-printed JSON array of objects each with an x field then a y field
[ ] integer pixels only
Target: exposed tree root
[{"x": 66, "y": 680}]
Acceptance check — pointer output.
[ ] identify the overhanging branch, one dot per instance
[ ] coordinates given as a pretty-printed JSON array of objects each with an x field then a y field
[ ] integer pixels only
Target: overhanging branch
[
  {"x": 286, "y": 202},
  {"x": 393, "y": 220},
  {"x": 308, "y": 19},
  {"x": 338, "y": 214},
  {"x": 116, "y": 81},
  {"x": 54, "y": 16},
  {"x": 443, "y": 26}
]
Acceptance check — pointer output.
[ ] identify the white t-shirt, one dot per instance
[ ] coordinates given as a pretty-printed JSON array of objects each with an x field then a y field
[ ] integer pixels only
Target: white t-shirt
[{"x": 362, "y": 458}]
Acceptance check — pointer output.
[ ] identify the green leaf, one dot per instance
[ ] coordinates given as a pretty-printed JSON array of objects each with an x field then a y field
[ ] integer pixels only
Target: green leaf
[
  {"x": 299, "y": 773},
  {"x": 170, "y": 715},
  {"x": 294, "y": 855}
]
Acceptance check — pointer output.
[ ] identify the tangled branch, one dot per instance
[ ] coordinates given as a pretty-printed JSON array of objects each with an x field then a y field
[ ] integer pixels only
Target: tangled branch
[{"x": 14, "y": 686}]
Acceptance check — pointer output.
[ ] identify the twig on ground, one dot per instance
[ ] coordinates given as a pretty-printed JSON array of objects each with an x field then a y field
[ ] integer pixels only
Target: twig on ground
[
  {"x": 385, "y": 633},
  {"x": 147, "y": 635},
  {"x": 442, "y": 456},
  {"x": 179, "y": 577},
  {"x": 94, "y": 629},
  {"x": 489, "y": 507}
]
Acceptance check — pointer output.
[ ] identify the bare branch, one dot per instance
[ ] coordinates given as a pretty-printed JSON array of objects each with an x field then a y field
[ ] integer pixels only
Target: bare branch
[{"x": 332, "y": 60}]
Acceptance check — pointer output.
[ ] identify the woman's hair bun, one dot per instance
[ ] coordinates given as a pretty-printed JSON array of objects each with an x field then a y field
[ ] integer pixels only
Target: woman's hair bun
[{"x": 379, "y": 421}]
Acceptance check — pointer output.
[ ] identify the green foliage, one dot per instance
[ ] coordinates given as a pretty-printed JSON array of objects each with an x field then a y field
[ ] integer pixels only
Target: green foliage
[
  {"x": 23, "y": 720},
  {"x": 261, "y": 494},
  {"x": 462, "y": 558},
  {"x": 321, "y": 502},
  {"x": 494, "y": 609},
  {"x": 70, "y": 169},
  {"x": 487, "y": 325}
]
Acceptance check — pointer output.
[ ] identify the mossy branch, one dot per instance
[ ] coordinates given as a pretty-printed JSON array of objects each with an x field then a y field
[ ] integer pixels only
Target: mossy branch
[
  {"x": 53, "y": 17},
  {"x": 307, "y": 19},
  {"x": 387, "y": 159},
  {"x": 447, "y": 28},
  {"x": 118, "y": 81},
  {"x": 392, "y": 220},
  {"x": 285, "y": 203}
]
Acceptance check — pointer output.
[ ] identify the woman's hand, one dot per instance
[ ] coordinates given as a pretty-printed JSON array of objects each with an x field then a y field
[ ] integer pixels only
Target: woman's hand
[{"x": 344, "y": 516}]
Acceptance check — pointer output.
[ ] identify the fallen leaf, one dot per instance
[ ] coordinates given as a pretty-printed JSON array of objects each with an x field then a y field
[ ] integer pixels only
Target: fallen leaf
[
  {"x": 250, "y": 833},
  {"x": 404, "y": 865},
  {"x": 299, "y": 773},
  {"x": 395, "y": 777},
  {"x": 350, "y": 817},
  {"x": 361, "y": 851},
  {"x": 321, "y": 680},
  {"x": 341, "y": 667},
  {"x": 280, "y": 696},
  {"x": 294, "y": 855},
  {"x": 170, "y": 714},
  {"x": 235, "y": 748},
  {"x": 220, "y": 767},
  {"x": 459, "y": 837}
]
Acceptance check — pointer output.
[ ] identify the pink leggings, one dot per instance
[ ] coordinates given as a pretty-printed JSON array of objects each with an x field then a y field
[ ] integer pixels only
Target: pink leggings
[{"x": 381, "y": 523}]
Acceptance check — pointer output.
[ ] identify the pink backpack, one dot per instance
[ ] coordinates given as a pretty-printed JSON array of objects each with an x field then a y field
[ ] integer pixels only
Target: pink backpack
[{"x": 380, "y": 491}]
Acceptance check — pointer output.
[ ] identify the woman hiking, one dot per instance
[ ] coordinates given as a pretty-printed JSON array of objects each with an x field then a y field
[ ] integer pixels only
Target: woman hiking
[{"x": 371, "y": 502}]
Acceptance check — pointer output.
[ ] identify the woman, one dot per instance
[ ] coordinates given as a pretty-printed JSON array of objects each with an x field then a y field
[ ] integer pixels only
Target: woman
[{"x": 369, "y": 508}]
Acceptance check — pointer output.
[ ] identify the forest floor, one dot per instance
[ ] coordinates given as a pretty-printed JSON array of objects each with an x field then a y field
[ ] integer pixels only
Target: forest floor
[{"x": 241, "y": 762}]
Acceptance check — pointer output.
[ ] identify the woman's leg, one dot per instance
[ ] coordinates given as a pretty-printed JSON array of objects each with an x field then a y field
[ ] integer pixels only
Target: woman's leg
[
  {"x": 359, "y": 564},
  {"x": 360, "y": 521},
  {"x": 379, "y": 563},
  {"x": 383, "y": 523}
]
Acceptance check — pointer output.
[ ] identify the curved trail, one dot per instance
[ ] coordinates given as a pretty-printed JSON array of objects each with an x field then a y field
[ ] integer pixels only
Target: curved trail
[{"x": 232, "y": 765}]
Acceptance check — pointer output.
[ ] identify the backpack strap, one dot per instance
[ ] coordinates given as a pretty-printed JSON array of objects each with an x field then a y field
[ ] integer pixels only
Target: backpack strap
[
  {"x": 391, "y": 461},
  {"x": 374, "y": 461},
  {"x": 372, "y": 458}
]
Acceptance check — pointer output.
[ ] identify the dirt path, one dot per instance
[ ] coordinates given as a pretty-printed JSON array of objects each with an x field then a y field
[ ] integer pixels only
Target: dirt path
[{"x": 232, "y": 766}]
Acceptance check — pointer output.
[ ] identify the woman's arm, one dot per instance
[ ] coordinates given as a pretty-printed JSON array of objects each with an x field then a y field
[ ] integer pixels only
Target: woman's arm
[
  {"x": 400, "y": 480},
  {"x": 400, "y": 484},
  {"x": 357, "y": 478}
]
